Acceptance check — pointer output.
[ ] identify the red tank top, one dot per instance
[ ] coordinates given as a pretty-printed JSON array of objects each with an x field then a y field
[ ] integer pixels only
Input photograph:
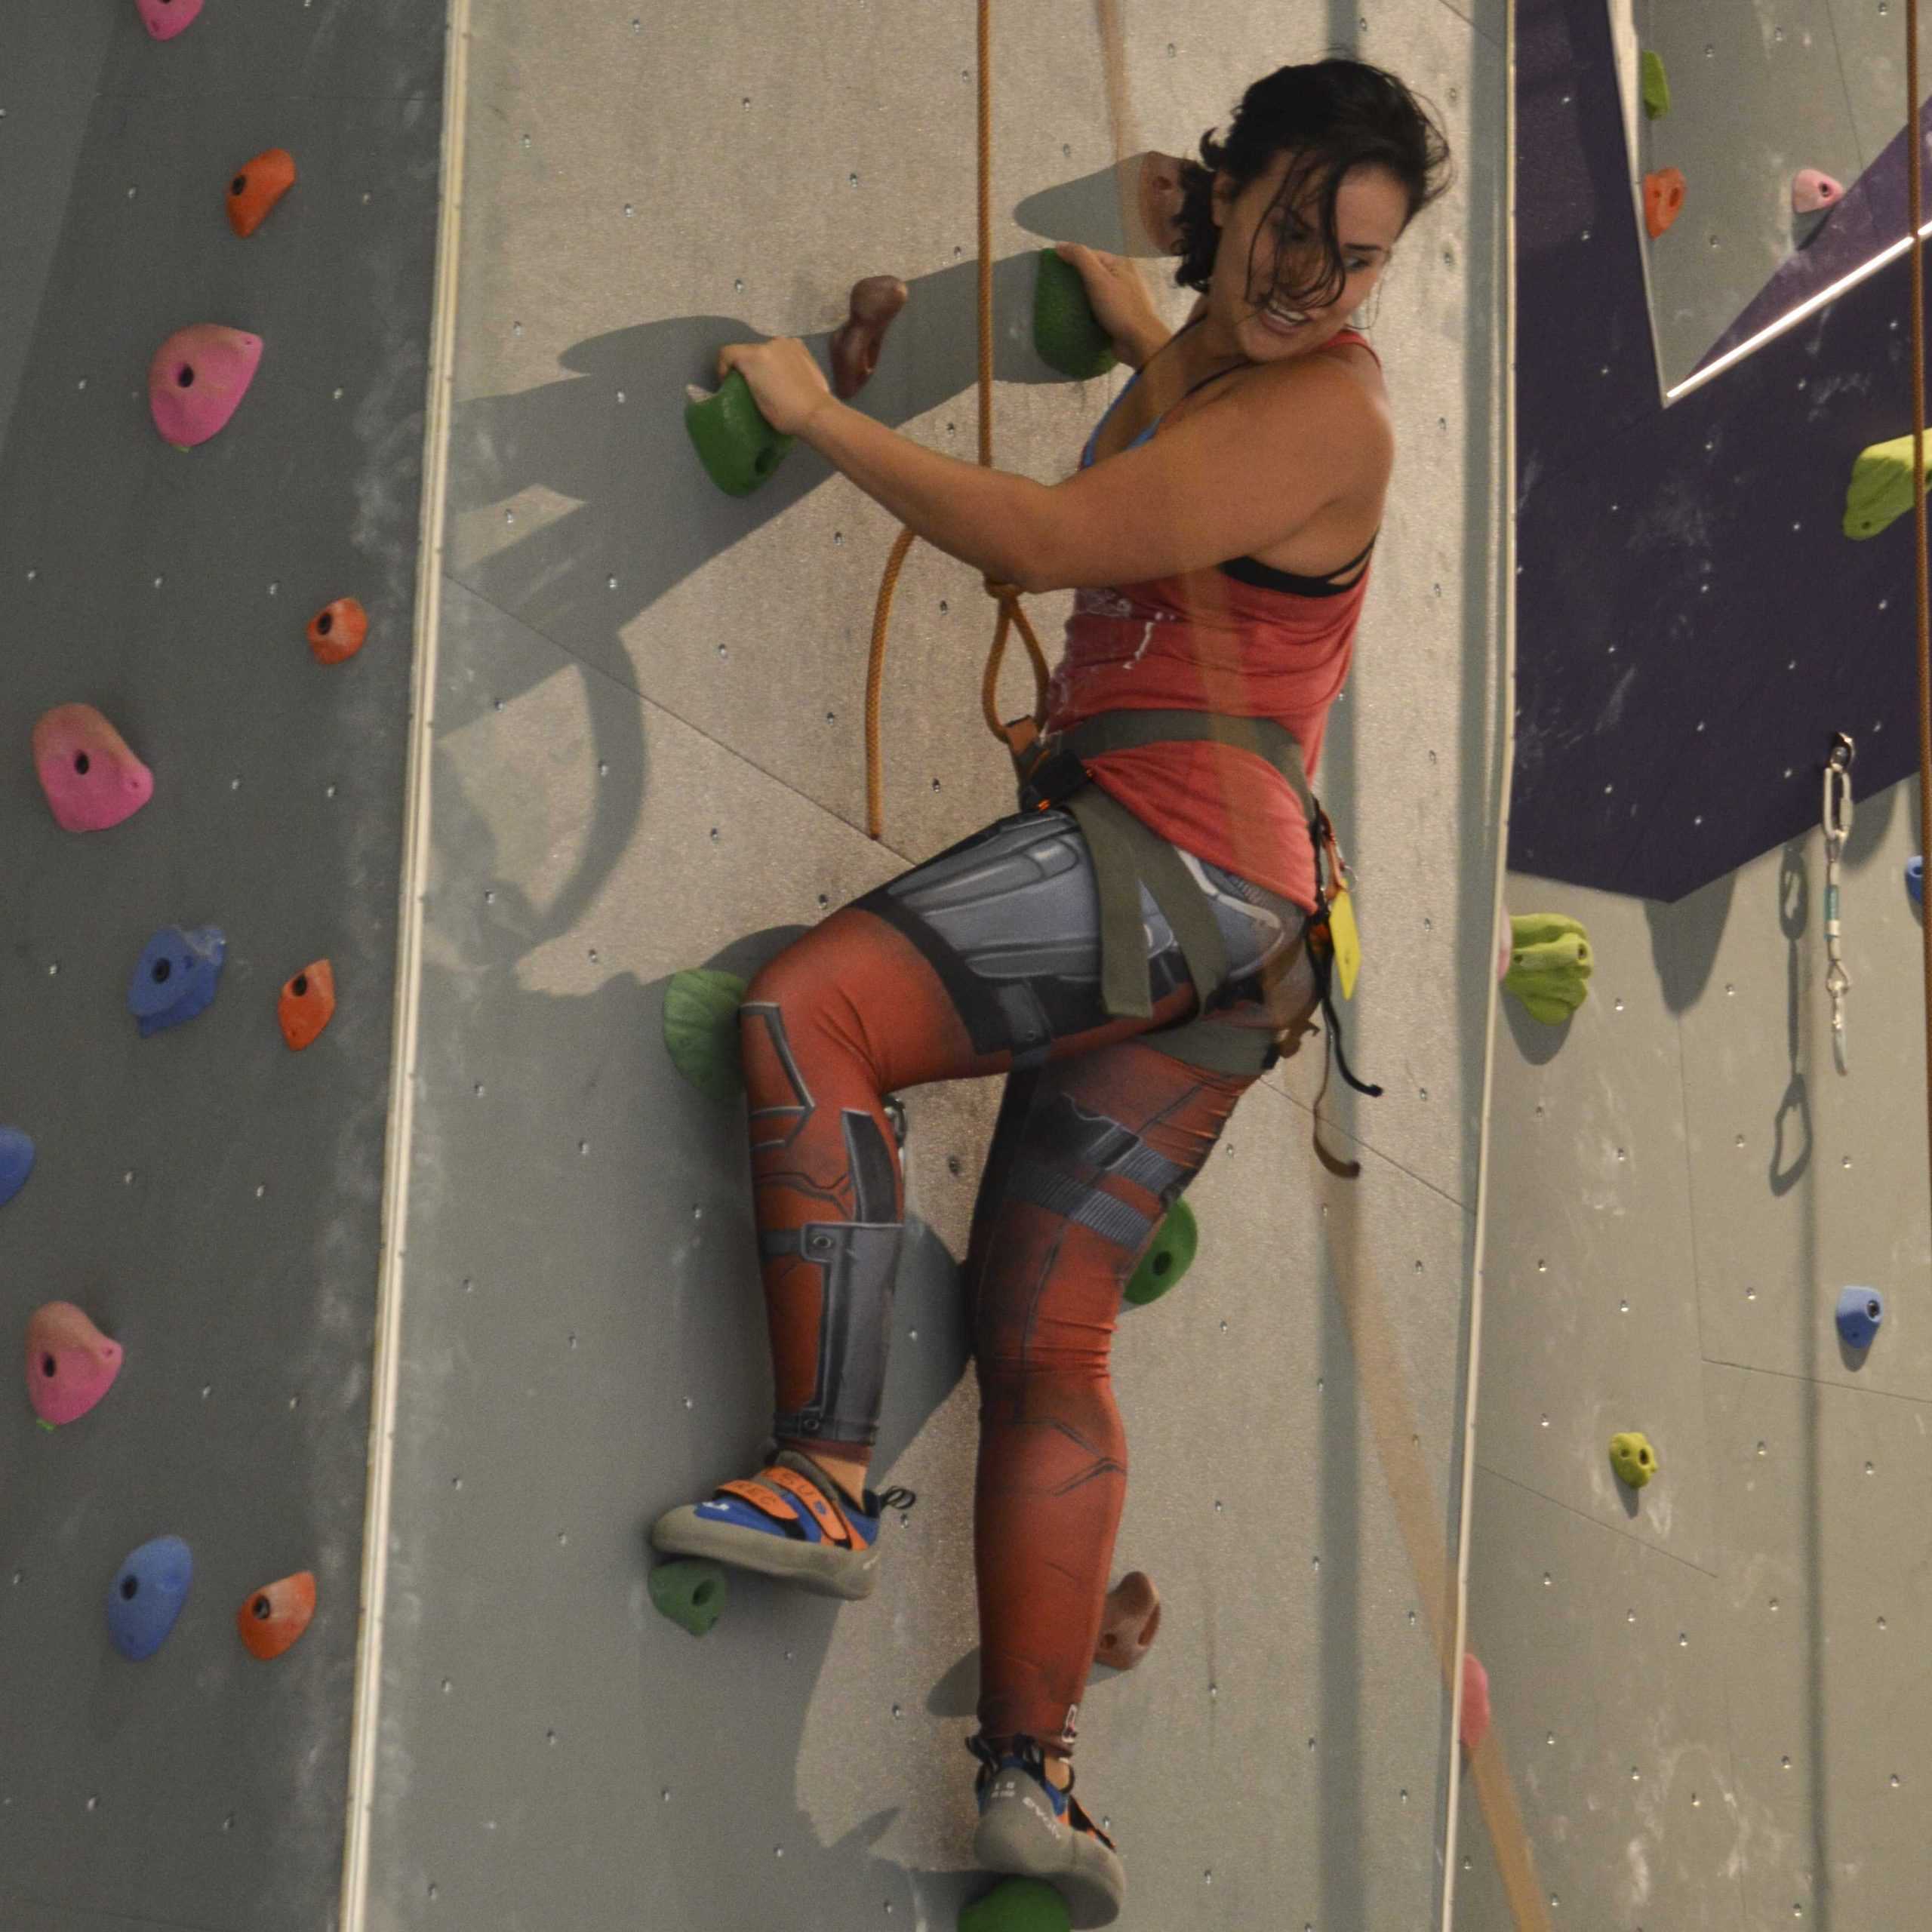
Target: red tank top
[{"x": 1208, "y": 640}]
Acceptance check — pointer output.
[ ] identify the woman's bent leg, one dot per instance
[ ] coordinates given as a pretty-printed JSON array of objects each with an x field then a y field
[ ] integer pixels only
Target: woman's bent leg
[{"x": 982, "y": 958}]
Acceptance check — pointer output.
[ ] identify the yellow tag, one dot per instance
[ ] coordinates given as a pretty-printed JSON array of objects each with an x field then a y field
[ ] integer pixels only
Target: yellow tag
[{"x": 1347, "y": 941}]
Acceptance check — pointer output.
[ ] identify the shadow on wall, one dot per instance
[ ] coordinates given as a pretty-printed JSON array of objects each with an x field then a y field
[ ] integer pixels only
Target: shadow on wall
[{"x": 641, "y": 496}]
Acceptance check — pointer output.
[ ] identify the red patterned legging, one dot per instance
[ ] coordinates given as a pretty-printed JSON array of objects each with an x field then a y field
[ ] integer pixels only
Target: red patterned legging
[{"x": 985, "y": 961}]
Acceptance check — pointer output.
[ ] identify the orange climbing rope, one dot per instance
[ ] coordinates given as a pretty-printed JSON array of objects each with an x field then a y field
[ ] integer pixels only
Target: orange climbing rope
[
  {"x": 1006, "y": 595},
  {"x": 1914, "y": 170}
]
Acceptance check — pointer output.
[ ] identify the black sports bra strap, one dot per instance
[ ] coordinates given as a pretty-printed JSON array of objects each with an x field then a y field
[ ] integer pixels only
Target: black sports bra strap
[{"x": 1361, "y": 557}]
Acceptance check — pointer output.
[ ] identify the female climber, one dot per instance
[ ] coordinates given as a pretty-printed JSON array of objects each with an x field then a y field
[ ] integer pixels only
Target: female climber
[{"x": 1220, "y": 567}]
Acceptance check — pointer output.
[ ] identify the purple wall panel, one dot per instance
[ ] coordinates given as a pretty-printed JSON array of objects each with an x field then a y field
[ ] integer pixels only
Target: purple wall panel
[{"x": 1691, "y": 621}]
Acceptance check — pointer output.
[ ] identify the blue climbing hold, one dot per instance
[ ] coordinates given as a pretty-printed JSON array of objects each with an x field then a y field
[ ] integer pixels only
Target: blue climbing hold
[
  {"x": 1861, "y": 1311},
  {"x": 177, "y": 977},
  {"x": 15, "y": 1162},
  {"x": 1915, "y": 878},
  {"x": 147, "y": 1597}
]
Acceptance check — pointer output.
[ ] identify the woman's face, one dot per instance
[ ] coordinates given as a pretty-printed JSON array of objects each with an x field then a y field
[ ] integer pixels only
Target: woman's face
[{"x": 1258, "y": 232}]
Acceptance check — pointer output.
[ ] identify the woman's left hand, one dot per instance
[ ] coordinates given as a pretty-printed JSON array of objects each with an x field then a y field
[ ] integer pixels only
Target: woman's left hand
[{"x": 786, "y": 383}]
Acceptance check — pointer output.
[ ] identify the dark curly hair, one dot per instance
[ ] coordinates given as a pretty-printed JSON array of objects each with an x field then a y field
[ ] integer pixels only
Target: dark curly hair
[{"x": 1330, "y": 116}]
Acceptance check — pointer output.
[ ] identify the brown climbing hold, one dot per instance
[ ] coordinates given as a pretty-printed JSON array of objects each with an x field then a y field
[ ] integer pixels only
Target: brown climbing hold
[
  {"x": 1161, "y": 197},
  {"x": 1664, "y": 199},
  {"x": 1128, "y": 1625},
  {"x": 336, "y": 631},
  {"x": 272, "y": 1619},
  {"x": 253, "y": 192},
  {"x": 856, "y": 345},
  {"x": 308, "y": 1004}
]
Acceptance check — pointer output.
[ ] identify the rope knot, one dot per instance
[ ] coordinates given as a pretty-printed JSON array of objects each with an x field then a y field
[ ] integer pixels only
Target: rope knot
[{"x": 1006, "y": 593}]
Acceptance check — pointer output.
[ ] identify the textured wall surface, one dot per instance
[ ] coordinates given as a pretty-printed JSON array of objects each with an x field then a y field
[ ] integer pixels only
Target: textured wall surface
[
  {"x": 1757, "y": 93},
  {"x": 1711, "y": 1691},
  {"x": 1693, "y": 625},
  {"x": 211, "y": 1199},
  {"x": 648, "y": 757}
]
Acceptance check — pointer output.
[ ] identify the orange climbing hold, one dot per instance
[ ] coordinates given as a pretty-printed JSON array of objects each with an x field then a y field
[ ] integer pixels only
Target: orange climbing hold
[
  {"x": 1664, "y": 199},
  {"x": 253, "y": 193},
  {"x": 275, "y": 1617},
  {"x": 336, "y": 631},
  {"x": 308, "y": 1004}
]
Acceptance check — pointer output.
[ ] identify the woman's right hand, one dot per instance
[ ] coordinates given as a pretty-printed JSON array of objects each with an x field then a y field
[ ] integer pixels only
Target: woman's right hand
[{"x": 1120, "y": 301}]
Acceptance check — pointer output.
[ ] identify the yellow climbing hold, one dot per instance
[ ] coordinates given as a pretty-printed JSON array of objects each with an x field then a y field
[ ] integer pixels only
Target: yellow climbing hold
[
  {"x": 1880, "y": 490},
  {"x": 1550, "y": 962}
]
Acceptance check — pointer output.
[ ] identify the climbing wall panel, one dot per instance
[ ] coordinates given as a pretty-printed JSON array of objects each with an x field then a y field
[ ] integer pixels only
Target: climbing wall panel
[
  {"x": 1687, "y": 1676},
  {"x": 647, "y": 757},
  {"x": 213, "y": 1201},
  {"x": 1684, "y": 590}
]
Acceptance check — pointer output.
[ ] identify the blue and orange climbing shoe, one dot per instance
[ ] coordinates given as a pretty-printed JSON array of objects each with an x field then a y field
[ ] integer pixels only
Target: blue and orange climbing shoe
[
  {"x": 1030, "y": 1829},
  {"x": 791, "y": 1520}
]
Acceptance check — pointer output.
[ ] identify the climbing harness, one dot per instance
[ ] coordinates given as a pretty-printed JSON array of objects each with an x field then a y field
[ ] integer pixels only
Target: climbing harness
[
  {"x": 1051, "y": 770},
  {"x": 1126, "y": 854},
  {"x": 1838, "y": 829}
]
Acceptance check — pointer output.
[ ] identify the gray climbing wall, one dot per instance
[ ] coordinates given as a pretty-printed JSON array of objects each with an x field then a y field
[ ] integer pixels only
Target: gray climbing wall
[
  {"x": 1757, "y": 93},
  {"x": 1710, "y": 1695},
  {"x": 648, "y": 757},
  {"x": 1711, "y": 1692},
  {"x": 211, "y": 1199}
]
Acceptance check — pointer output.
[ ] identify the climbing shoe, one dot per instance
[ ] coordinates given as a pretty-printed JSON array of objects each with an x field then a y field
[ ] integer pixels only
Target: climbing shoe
[
  {"x": 790, "y": 1520},
  {"x": 1030, "y": 1828}
]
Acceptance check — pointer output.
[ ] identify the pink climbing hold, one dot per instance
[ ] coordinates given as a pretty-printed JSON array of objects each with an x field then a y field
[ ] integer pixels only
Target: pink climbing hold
[
  {"x": 1810, "y": 190},
  {"x": 164, "y": 19},
  {"x": 1475, "y": 1702},
  {"x": 71, "y": 1364},
  {"x": 198, "y": 379},
  {"x": 91, "y": 779}
]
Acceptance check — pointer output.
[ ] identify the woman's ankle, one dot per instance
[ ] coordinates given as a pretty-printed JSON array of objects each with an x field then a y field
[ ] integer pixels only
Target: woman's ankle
[{"x": 848, "y": 1468}]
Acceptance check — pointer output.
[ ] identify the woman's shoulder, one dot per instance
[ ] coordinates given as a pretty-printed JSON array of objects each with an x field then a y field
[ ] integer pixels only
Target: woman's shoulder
[{"x": 1342, "y": 381}]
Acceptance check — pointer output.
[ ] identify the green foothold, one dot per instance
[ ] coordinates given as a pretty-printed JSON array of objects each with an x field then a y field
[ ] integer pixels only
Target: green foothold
[
  {"x": 701, "y": 1030},
  {"x": 1170, "y": 1257},
  {"x": 1880, "y": 488},
  {"x": 1550, "y": 962},
  {"x": 739, "y": 447},
  {"x": 1066, "y": 332},
  {"x": 1633, "y": 1459},
  {"x": 1656, "y": 87},
  {"x": 1018, "y": 1905},
  {"x": 691, "y": 1594}
]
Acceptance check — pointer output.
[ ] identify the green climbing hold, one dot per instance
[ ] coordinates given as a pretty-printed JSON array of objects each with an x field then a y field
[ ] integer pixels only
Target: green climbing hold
[
  {"x": 1066, "y": 332},
  {"x": 1018, "y": 1905},
  {"x": 701, "y": 1030},
  {"x": 1549, "y": 961},
  {"x": 739, "y": 447},
  {"x": 1170, "y": 1256},
  {"x": 1656, "y": 87},
  {"x": 1880, "y": 488},
  {"x": 1633, "y": 1459},
  {"x": 691, "y": 1593}
]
